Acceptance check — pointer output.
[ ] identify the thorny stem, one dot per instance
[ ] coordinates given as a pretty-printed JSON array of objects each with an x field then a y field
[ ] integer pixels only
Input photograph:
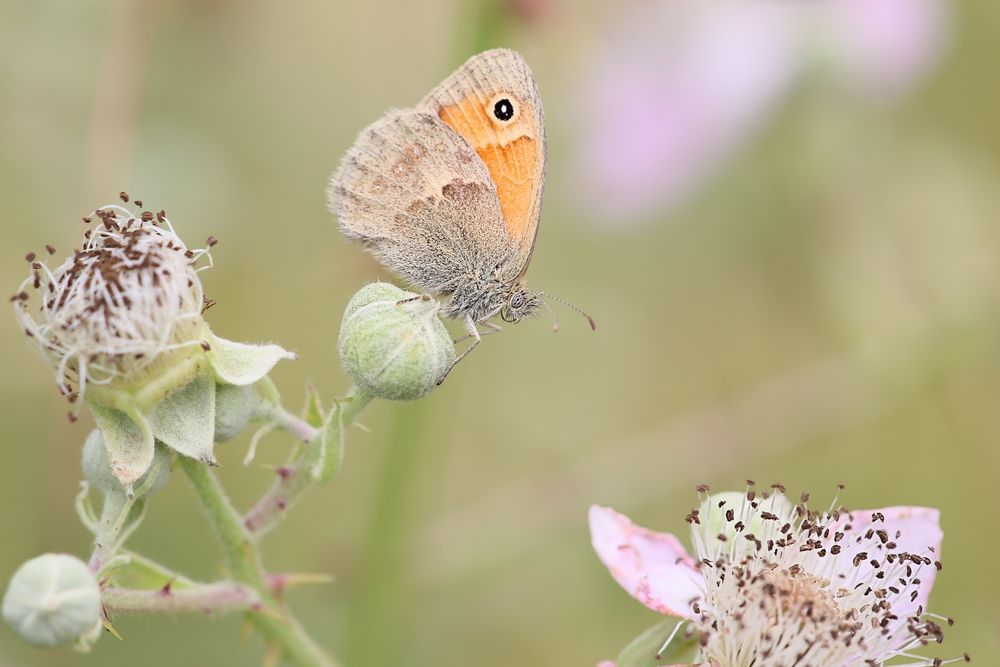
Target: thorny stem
[
  {"x": 222, "y": 596},
  {"x": 295, "y": 479},
  {"x": 161, "y": 577},
  {"x": 277, "y": 625}
]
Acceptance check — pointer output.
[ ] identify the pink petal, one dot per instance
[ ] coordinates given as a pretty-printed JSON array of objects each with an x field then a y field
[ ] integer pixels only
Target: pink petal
[
  {"x": 919, "y": 532},
  {"x": 653, "y": 567}
]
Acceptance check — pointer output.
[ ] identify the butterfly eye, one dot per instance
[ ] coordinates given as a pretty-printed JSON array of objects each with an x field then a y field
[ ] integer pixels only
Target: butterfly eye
[
  {"x": 504, "y": 109},
  {"x": 517, "y": 300}
]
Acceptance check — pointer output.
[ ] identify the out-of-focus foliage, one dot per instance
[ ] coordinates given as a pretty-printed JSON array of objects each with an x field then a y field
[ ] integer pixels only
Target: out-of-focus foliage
[{"x": 822, "y": 308}]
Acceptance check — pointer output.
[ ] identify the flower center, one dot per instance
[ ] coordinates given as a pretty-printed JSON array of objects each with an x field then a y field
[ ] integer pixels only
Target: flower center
[
  {"x": 122, "y": 306},
  {"x": 788, "y": 586}
]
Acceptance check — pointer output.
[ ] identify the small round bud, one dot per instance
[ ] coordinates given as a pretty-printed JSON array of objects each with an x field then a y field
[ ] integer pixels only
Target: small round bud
[
  {"x": 97, "y": 469},
  {"x": 393, "y": 344},
  {"x": 235, "y": 408},
  {"x": 52, "y": 600}
]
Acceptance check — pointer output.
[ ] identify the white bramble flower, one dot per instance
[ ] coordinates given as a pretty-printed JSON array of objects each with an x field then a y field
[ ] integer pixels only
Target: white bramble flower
[
  {"x": 774, "y": 583},
  {"x": 121, "y": 321},
  {"x": 116, "y": 310}
]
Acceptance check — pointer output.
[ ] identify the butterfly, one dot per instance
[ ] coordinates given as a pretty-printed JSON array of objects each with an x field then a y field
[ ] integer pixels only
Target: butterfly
[{"x": 447, "y": 194}]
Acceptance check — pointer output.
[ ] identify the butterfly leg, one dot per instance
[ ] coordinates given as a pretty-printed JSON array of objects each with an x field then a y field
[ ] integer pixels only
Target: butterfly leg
[
  {"x": 493, "y": 328},
  {"x": 411, "y": 299},
  {"x": 470, "y": 326}
]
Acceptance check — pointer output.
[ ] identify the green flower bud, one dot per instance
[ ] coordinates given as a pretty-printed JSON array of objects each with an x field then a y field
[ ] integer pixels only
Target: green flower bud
[
  {"x": 97, "y": 469},
  {"x": 393, "y": 344},
  {"x": 235, "y": 408},
  {"x": 52, "y": 600}
]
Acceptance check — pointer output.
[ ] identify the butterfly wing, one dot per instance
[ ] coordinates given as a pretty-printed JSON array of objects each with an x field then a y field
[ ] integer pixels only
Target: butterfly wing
[
  {"x": 415, "y": 193},
  {"x": 493, "y": 103}
]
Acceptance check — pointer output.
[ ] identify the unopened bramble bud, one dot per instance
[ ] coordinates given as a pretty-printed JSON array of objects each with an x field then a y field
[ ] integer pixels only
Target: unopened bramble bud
[
  {"x": 54, "y": 599},
  {"x": 98, "y": 472},
  {"x": 393, "y": 343},
  {"x": 235, "y": 408}
]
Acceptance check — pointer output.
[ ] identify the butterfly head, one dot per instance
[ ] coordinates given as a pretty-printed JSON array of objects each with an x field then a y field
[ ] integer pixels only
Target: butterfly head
[{"x": 520, "y": 303}]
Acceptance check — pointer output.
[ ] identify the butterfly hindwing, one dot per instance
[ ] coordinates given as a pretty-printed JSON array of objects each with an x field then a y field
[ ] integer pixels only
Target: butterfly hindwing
[{"x": 419, "y": 197}]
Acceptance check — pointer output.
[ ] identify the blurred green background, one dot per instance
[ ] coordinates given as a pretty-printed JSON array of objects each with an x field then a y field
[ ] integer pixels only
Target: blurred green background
[{"x": 823, "y": 309}]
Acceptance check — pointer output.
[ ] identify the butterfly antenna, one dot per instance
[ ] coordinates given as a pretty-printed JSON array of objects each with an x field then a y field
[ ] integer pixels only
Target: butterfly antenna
[{"x": 593, "y": 324}]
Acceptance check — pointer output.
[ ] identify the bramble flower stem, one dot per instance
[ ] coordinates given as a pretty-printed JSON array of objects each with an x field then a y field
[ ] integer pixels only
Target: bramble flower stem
[
  {"x": 295, "y": 479},
  {"x": 113, "y": 515},
  {"x": 154, "y": 575},
  {"x": 223, "y": 596},
  {"x": 295, "y": 426},
  {"x": 274, "y": 622}
]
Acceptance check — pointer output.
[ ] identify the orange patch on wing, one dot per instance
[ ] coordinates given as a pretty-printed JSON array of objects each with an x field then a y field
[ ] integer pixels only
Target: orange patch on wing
[{"x": 510, "y": 153}]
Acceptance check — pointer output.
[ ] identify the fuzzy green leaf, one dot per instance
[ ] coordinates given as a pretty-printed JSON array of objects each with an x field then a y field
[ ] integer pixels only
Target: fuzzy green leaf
[
  {"x": 641, "y": 651},
  {"x": 185, "y": 420},
  {"x": 129, "y": 442},
  {"x": 314, "y": 414},
  {"x": 241, "y": 363},
  {"x": 331, "y": 445}
]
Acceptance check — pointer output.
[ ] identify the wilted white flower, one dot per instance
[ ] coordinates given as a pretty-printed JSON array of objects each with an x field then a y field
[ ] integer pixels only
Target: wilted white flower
[
  {"x": 119, "y": 308},
  {"x": 121, "y": 321}
]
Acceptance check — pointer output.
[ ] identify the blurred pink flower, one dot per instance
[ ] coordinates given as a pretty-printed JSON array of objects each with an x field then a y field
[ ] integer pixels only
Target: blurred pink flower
[
  {"x": 684, "y": 84},
  {"x": 882, "y": 48},
  {"x": 773, "y": 580}
]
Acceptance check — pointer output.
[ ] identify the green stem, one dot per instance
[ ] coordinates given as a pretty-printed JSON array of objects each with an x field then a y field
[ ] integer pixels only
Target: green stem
[
  {"x": 378, "y": 621},
  {"x": 293, "y": 481},
  {"x": 106, "y": 541},
  {"x": 274, "y": 622}
]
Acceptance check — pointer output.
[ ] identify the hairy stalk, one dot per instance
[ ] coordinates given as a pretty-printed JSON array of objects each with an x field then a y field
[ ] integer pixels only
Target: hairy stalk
[
  {"x": 274, "y": 622},
  {"x": 223, "y": 596},
  {"x": 295, "y": 479},
  {"x": 108, "y": 538},
  {"x": 154, "y": 576}
]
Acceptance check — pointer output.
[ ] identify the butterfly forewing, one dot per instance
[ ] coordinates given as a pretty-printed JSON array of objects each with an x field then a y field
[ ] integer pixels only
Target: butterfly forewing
[{"x": 493, "y": 103}]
